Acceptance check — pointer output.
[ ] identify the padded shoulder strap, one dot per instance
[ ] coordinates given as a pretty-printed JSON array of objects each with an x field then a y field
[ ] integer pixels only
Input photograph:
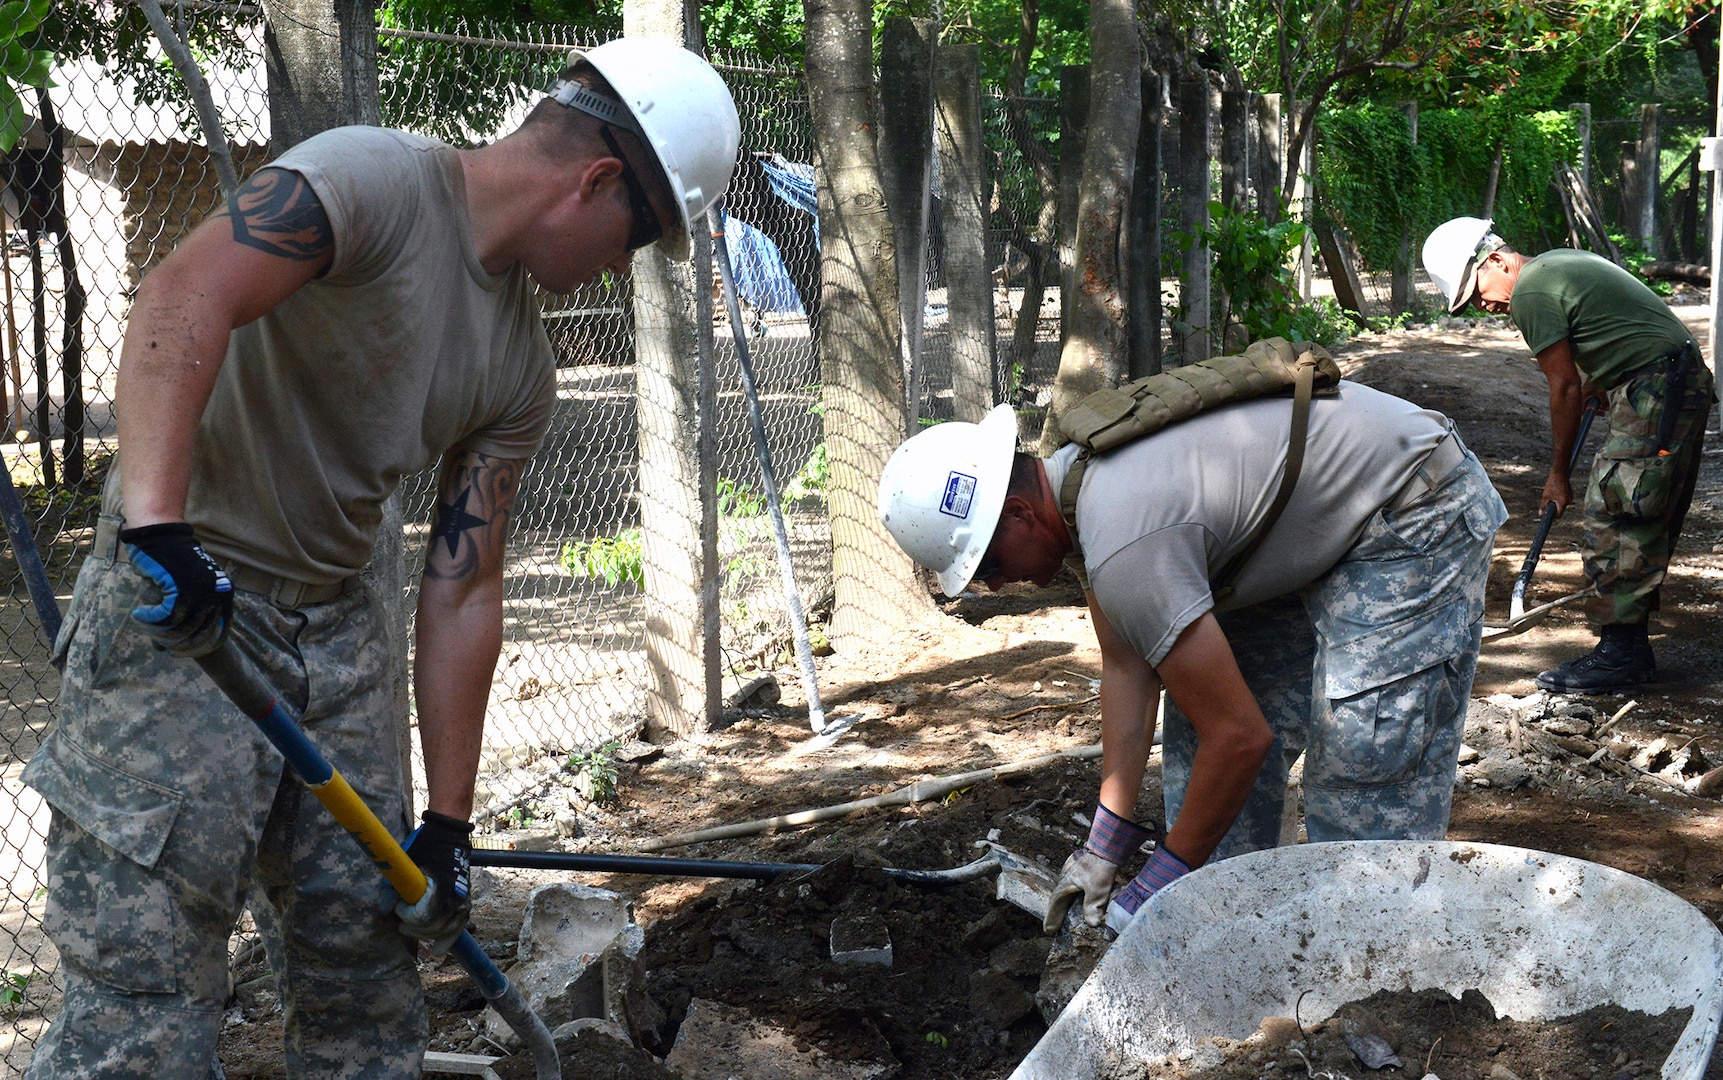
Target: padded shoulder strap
[{"x": 1223, "y": 582}]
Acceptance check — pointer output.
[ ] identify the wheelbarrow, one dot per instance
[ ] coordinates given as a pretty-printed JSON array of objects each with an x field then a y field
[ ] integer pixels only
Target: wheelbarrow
[{"x": 1313, "y": 926}]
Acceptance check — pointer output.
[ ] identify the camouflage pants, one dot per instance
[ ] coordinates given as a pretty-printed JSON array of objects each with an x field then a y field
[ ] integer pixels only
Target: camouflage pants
[
  {"x": 1367, "y": 672},
  {"x": 167, "y": 803},
  {"x": 1638, "y": 496}
]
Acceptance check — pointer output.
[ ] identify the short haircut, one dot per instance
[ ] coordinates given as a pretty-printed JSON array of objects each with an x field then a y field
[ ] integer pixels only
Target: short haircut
[
  {"x": 1025, "y": 476},
  {"x": 570, "y": 136}
]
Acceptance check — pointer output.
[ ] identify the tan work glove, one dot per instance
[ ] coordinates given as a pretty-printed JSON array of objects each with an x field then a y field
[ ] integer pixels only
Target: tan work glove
[
  {"x": 1085, "y": 874},
  {"x": 1091, "y": 870}
]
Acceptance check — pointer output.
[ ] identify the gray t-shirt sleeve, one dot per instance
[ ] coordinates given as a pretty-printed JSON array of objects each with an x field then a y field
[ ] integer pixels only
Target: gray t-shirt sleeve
[
  {"x": 517, "y": 430},
  {"x": 366, "y": 190},
  {"x": 1156, "y": 586}
]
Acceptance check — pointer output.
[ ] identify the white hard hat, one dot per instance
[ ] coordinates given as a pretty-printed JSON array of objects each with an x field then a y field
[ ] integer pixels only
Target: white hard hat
[
  {"x": 683, "y": 111},
  {"x": 1452, "y": 253},
  {"x": 941, "y": 493}
]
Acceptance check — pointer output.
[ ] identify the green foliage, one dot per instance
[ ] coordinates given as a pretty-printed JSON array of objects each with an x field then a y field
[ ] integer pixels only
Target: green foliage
[
  {"x": 1383, "y": 189},
  {"x": 595, "y": 773},
  {"x": 12, "y": 988},
  {"x": 20, "y": 64},
  {"x": 616, "y": 559},
  {"x": 1252, "y": 267},
  {"x": 811, "y": 481}
]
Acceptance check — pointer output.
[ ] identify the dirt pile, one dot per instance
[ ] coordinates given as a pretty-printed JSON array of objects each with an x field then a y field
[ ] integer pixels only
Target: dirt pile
[{"x": 1430, "y": 1033}]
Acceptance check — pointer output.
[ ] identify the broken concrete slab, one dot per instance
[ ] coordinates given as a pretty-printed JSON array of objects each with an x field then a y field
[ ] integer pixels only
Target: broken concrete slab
[
  {"x": 565, "y": 932},
  {"x": 861, "y": 939},
  {"x": 719, "y": 1042},
  {"x": 1076, "y": 949},
  {"x": 1023, "y": 883}
]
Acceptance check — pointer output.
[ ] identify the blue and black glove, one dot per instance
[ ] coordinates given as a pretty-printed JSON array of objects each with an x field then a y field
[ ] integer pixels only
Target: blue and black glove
[
  {"x": 196, "y": 606},
  {"x": 442, "y": 847}
]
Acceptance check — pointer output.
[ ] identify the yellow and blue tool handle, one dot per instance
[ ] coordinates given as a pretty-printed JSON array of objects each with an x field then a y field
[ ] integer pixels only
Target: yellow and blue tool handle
[{"x": 235, "y": 676}]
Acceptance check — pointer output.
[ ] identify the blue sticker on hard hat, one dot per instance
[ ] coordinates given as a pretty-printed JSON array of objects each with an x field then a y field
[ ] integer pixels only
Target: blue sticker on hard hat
[{"x": 959, "y": 493}]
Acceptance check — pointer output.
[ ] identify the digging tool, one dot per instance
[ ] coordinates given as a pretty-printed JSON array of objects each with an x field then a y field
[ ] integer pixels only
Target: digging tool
[
  {"x": 1533, "y": 617},
  {"x": 1517, "y": 606},
  {"x": 233, "y": 673},
  {"x": 662, "y": 866},
  {"x": 768, "y": 476},
  {"x": 29, "y": 558}
]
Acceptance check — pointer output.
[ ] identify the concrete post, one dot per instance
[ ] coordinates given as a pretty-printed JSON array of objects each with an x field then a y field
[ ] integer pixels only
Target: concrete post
[
  {"x": 906, "y": 170},
  {"x": 1073, "y": 126},
  {"x": 1270, "y": 157},
  {"x": 1195, "y": 127},
  {"x": 1650, "y": 178},
  {"x": 675, "y": 402},
  {"x": 1235, "y": 149},
  {"x": 1144, "y": 238},
  {"x": 975, "y": 385}
]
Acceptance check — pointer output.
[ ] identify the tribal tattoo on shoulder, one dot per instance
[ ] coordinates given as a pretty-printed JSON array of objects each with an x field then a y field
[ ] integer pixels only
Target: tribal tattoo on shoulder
[
  {"x": 473, "y": 511},
  {"x": 277, "y": 213}
]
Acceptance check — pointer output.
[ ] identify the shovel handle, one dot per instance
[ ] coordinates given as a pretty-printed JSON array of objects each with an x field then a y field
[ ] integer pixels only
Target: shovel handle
[
  {"x": 228, "y": 668},
  {"x": 1535, "y": 552}
]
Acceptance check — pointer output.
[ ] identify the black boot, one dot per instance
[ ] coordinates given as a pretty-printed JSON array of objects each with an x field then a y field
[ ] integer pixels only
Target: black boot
[{"x": 1619, "y": 664}]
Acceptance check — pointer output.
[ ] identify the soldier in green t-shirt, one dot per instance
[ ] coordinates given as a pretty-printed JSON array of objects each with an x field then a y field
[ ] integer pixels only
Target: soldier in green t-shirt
[{"x": 1598, "y": 331}]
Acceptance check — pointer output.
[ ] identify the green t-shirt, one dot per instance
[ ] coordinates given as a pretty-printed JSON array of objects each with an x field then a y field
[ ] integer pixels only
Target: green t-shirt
[{"x": 1614, "y": 323}]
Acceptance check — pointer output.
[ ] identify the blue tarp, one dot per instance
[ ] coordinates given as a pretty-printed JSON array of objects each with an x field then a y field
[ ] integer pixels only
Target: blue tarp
[{"x": 761, "y": 276}]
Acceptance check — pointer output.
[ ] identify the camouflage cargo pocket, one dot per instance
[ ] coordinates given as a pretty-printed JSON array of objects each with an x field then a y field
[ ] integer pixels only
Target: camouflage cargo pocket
[{"x": 1637, "y": 486}]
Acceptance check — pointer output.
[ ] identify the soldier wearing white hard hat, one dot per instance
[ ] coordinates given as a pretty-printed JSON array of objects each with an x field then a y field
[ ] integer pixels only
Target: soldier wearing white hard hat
[{"x": 363, "y": 309}]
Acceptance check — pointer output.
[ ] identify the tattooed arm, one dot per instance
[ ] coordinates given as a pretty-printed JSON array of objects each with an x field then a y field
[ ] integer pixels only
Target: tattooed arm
[
  {"x": 235, "y": 267},
  {"x": 460, "y": 621}
]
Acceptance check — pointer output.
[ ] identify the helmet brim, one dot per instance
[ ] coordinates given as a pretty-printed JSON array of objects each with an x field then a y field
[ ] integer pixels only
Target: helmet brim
[{"x": 998, "y": 435}]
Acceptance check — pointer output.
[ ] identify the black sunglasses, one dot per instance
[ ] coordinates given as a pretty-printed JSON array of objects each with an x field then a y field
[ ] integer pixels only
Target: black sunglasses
[{"x": 646, "y": 228}]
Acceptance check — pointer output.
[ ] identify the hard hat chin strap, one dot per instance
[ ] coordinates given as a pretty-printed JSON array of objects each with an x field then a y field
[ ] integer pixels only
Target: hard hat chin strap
[{"x": 576, "y": 96}]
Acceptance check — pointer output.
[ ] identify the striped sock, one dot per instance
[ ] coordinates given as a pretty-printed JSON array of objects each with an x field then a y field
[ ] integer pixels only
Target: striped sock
[
  {"x": 1113, "y": 838},
  {"x": 1163, "y": 869}
]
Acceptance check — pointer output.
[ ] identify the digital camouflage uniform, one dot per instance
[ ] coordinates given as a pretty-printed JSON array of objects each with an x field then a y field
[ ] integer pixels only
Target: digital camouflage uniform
[
  {"x": 1367, "y": 671},
  {"x": 141, "y": 902},
  {"x": 1639, "y": 492}
]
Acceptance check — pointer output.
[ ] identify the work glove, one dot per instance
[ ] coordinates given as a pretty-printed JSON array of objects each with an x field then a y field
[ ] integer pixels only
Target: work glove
[
  {"x": 442, "y": 847},
  {"x": 1162, "y": 869},
  {"x": 196, "y": 605},
  {"x": 1091, "y": 870}
]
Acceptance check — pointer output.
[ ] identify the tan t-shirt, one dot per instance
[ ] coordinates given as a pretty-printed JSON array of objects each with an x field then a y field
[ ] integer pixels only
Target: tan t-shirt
[
  {"x": 1159, "y": 516},
  {"x": 404, "y": 350}
]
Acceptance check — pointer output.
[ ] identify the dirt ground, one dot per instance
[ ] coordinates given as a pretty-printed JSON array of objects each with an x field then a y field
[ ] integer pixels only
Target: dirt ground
[{"x": 1011, "y": 676}]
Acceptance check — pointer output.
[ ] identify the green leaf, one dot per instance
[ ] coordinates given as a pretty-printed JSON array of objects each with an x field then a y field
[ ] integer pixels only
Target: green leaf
[{"x": 11, "y": 118}]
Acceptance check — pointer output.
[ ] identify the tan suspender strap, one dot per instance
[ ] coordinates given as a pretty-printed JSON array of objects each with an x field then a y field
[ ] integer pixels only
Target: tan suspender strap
[
  {"x": 1223, "y": 582},
  {"x": 1068, "y": 490}
]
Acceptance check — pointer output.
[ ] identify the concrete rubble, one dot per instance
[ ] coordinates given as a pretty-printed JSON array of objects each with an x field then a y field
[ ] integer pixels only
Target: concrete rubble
[{"x": 575, "y": 959}]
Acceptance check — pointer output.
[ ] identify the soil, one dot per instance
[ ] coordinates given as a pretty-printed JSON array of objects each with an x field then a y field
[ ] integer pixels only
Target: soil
[
  {"x": 1003, "y": 677},
  {"x": 1433, "y": 1032}
]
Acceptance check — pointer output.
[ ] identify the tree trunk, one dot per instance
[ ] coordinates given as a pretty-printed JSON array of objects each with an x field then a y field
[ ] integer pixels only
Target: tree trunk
[
  {"x": 321, "y": 57},
  {"x": 877, "y": 592},
  {"x": 1097, "y": 344}
]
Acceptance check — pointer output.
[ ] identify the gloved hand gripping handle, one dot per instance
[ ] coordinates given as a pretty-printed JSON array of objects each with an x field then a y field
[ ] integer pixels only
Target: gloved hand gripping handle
[{"x": 234, "y": 675}]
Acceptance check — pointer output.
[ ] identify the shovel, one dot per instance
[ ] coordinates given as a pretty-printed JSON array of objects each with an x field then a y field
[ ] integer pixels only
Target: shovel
[
  {"x": 233, "y": 673},
  {"x": 1517, "y": 605}
]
